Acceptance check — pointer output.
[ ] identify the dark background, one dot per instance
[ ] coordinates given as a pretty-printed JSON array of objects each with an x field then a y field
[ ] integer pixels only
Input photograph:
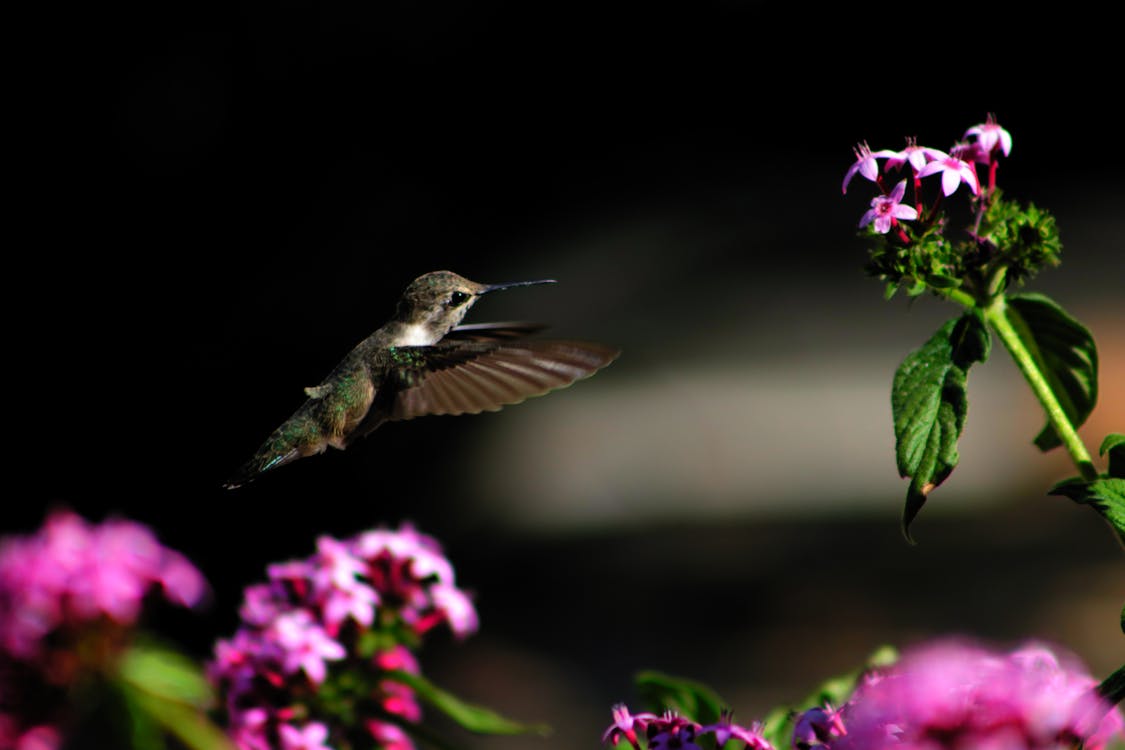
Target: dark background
[{"x": 217, "y": 202}]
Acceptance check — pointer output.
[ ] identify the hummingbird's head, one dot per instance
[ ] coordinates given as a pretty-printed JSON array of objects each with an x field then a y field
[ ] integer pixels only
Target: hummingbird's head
[{"x": 436, "y": 302}]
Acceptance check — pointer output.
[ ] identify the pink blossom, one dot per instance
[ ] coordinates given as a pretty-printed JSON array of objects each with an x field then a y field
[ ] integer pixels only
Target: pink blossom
[
  {"x": 915, "y": 155},
  {"x": 458, "y": 610},
  {"x": 818, "y": 726},
  {"x": 306, "y": 645},
  {"x": 886, "y": 210},
  {"x": 388, "y": 735},
  {"x": 311, "y": 737},
  {"x": 397, "y": 659},
  {"x": 990, "y": 135},
  {"x": 73, "y": 572},
  {"x": 313, "y": 614},
  {"x": 865, "y": 164},
  {"x": 726, "y": 730},
  {"x": 626, "y": 725},
  {"x": 953, "y": 172},
  {"x": 39, "y": 738},
  {"x": 951, "y": 695},
  {"x": 335, "y": 565},
  {"x": 357, "y": 602}
]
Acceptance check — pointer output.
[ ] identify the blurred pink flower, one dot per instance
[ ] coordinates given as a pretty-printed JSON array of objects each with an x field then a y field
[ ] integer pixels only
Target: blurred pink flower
[
  {"x": 69, "y": 595},
  {"x": 957, "y": 695},
  {"x": 72, "y": 572},
  {"x": 310, "y": 737},
  {"x": 389, "y": 736}
]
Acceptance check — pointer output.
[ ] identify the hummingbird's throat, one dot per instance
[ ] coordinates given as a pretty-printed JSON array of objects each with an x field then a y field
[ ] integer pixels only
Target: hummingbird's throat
[{"x": 417, "y": 334}]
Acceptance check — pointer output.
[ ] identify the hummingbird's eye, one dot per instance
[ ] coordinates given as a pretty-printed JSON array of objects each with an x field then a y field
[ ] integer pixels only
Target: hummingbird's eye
[{"x": 458, "y": 298}]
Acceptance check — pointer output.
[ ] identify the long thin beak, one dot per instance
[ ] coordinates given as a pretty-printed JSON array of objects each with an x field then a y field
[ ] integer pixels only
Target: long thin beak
[{"x": 510, "y": 284}]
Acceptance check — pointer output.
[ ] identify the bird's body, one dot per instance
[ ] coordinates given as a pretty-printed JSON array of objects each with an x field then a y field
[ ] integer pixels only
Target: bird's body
[{"x": 423, "y": 362}]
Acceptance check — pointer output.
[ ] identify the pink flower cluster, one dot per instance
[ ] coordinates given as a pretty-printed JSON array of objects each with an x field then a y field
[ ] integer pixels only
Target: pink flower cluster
[
  {"x": 956, "y": 168},
  {"x": 73, "y": 572},
  {"x": 956, "y": 695},
  {"x": 670, "y": 730},
  {"x": 354, "y": 603},
  {"x": 63, "y": 590}
]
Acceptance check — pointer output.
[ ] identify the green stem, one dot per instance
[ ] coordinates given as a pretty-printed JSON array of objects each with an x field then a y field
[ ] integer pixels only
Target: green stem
[
  {"x": 959, "y": 296},
  {"x": 1113, "y": 688},
  {"x": 996, "y": 315}
]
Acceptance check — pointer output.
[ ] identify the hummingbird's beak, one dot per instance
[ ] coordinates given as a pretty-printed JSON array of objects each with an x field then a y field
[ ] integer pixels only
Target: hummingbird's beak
[{"x": 510, "y": 284}]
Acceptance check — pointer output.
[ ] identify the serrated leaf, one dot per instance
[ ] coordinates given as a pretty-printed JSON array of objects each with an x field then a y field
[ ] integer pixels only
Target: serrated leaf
[
  {"x": 689, "y": 698},
  {"x": 1065, "y": 353},
  {"x": 1114, "y": 445},
  {"x": 929, "y": 404},
  {"x": 1106, "y": 495},
  {"x": 473, "y": 718}
]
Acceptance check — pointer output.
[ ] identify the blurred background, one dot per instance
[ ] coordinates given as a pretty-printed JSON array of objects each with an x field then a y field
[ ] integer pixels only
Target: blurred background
[{"x": 219, "y": 201}]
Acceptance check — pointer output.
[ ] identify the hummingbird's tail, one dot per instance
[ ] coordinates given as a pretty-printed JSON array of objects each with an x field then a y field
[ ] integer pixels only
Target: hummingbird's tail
[
  {"x": 298, "y": 436},
  {"x": 262, "y": 462}
]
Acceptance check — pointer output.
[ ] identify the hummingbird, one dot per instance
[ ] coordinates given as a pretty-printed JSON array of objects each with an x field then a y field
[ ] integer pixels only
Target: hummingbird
[{"x": 423, "y": 361}]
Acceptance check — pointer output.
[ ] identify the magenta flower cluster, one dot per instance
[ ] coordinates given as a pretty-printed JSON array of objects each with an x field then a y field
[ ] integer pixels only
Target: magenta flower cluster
[
  {"x": 669, "y": 730},
  {"x": 956, "y": 167},
  {"x": 352, "y": 608},
  {"x": 68, "y": 594},
  {"x": 952, "y": 695},
  {"x": 73, "y": 572}
]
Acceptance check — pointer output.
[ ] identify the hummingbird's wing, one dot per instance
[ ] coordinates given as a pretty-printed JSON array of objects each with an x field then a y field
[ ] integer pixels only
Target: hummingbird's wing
[{"x": 458, "y": 376}]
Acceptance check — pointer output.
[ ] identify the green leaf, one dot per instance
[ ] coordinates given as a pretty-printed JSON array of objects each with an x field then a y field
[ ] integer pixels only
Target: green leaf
[
  {"x": 165, "y": 688},
  {"x": 1114, "y": 445},
  {"x": 929, "y": 405},
  {"x": 689, "y": 698},
  {"x": 1105, "y": 494},
  {"x": 166, "y": 673},
  {"x": 473, "y": 718},
  {"x": 777, "y": 727},
  {"x": 1065, "y": 353}
]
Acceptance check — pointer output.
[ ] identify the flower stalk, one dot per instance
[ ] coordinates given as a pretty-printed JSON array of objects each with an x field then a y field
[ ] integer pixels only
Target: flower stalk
[{"x": 997, "y": 316}]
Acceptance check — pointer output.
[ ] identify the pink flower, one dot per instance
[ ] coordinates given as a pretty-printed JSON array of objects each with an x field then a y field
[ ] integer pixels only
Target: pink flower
[
  {"x": 335, "y": 565},
  {"x": 818, "y": 726},
  {"x": 306, "y": 645},
  {"x": 865, "y": 164},
  {"x": 990, "y": 135},
  {"x": 458, "y": 610},
  {"x": 39, "y": 738},
  {"x": 886, "y": 210},
  {"x": 951, "y": 695},
  {"x": 73, "y": 572},
  {"x": 311, "y": 628},
  {"x": 311, "y": 737},
  {"x": 915, "y": 155},
  {"x": 626, "y": 725},
  {"x": 389, "y": 736},
  {"x": 726, "y": 729},
  {"x": 953, "y": 172}
]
